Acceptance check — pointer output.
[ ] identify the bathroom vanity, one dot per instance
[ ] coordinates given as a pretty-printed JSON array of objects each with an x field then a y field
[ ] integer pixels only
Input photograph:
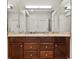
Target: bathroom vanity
[
  {"x": 39, "y": 29},
  {"x": 39, "y": 46}
]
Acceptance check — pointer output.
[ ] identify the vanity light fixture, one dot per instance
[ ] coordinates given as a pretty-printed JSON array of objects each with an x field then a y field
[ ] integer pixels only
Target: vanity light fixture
[
  {"x": 33, "y": 6},
  {"x": 67, "y": 7},
  {"x": 10, "y": 6},
  {"x": 67, "y": 10}
]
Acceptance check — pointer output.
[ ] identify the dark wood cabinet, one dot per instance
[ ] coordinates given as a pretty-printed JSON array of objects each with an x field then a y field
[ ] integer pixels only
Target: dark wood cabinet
[
  {"x": 15, "y": 51},
  {"x": 38, "y": 47},
  {"x": 60, "y": 48},
  {"x": 31, "y": 54},
  {"x": 46, "y": 54},
  {"x": 46, "y": 46},
  {"x": 31, "y": 46}
]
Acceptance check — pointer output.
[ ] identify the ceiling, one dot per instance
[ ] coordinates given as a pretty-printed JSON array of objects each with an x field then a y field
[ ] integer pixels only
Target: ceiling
[{"x": 20, "y": 4}]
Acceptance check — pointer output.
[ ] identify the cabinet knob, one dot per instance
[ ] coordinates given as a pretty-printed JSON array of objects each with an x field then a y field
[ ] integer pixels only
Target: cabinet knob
[
  {"x": 31, "y": 55},
  {"x": 31, "y": 47},
  {"x": 9, "y": 58},
  {"x": 56, "y": 45},
  {"x": 21, "y": 46},
  {"x": 46, "y": 46},
  {"x": 46, "y": 54}
]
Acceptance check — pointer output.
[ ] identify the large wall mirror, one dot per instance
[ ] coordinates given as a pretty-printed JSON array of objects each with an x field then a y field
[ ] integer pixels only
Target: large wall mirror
[{"x": 39, "y": 16}]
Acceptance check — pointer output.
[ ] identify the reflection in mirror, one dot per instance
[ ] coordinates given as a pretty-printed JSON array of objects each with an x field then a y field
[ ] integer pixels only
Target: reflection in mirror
[{"x": 25, "y": 16}]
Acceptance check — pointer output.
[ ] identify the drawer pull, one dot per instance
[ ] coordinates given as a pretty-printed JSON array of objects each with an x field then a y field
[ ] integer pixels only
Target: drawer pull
[
  {"x": 46, "y": 54},
  {"x": 31, "y": 47},
  {"x": 46, "y": 46},
  {"x": 56, "y": 45},
  {"x": 21, "y": 46},
  {"x": 9, "y": 58},
  {"x": 31, "y": 55}
]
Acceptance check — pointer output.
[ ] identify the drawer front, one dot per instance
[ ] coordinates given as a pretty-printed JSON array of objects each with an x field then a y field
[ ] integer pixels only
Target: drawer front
[
  {"x": 31, "y": 54},
  {"x": 33, "y": 58},
  {"x": 32, "y": 40},
  {"x": 46, "y": 40},
  {"x": 61, "y": 40},
  {"x": 61, "y": 58},
  {"x": 16, "y": 39},
  {"x": 46, "y": 46},
  {"x": 46, "y": 58},
  {"x": 11, "y": 39},
  {"x": 46, "y": 54},
  {"x": 31, "y": 46}
]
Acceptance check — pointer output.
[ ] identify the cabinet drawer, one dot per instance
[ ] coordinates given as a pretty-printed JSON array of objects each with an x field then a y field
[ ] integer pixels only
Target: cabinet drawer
[
  {"x": 11, "y": 39},
  {"x": 46, "y": 46},
  {"x": 31, "y": 46},
  {"x": 46, "y": 58},
  {"x": 46, "y": 54},
  {"x": 60, "y": 40},
  {"x": 46, "y": 40},
  {"x": 31, "y": 54},
  {"x": 61, "y": 58},
  {"x": 33, "y": 58},
  {"x": 16, "y": 39},
  {"x": 32, "y": 40}
]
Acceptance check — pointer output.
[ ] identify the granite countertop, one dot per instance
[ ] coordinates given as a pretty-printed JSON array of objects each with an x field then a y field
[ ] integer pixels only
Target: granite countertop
[{"x": 66, "y": 34}]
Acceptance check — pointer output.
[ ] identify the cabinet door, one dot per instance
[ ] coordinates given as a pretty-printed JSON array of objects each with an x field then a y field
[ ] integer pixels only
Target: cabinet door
[
  {"x": 61, "y": 47},
  {"x": 9, "y": 51},
  {"x": 60, "y": 50},
  {"x": 16, "y": 51}
]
